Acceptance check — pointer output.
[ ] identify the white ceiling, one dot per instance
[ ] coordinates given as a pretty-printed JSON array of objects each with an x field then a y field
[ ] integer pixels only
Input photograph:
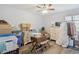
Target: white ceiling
[{"x": 32, "y": 7}]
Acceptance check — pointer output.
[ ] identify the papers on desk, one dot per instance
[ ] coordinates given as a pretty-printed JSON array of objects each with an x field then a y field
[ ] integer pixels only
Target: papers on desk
[{"x": 37, "y": 35}]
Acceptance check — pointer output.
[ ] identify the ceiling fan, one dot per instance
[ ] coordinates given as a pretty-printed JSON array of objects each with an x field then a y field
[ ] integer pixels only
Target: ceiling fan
[{"x": 45, "y": 7}]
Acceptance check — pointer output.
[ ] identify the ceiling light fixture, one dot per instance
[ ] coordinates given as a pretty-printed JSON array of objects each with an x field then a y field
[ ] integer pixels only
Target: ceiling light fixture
[
  {"x": 44, "y": 11},
  {"x": 45, "y": 8}
]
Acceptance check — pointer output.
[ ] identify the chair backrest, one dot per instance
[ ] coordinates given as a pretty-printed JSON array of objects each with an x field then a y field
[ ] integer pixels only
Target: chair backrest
[{"x": 41, "y": 39}]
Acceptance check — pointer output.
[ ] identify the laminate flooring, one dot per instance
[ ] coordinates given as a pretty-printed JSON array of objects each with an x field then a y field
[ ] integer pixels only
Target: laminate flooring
[{"x": 56, "y": 49}]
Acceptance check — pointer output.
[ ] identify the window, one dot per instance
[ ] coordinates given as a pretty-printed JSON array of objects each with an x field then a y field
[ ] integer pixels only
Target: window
[
  {"x": 77, "y": 25},
  {"x": 75, "y": 19},
  {"x": 68, "y": 18}
]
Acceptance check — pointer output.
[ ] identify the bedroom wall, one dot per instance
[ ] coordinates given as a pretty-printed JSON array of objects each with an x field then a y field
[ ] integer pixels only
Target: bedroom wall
[
  {"x": 60, "y": 16},
  {"x": 15, "y": 16}
]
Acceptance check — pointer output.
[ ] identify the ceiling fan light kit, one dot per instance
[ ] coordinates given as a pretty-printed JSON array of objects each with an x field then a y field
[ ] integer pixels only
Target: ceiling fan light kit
[
  {"x": 44, "y": 11},
  {"x": 45, "y": 8}
]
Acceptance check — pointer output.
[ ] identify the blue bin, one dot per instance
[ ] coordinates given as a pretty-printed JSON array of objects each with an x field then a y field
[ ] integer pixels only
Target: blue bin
[{"x": 19, "y": 42}]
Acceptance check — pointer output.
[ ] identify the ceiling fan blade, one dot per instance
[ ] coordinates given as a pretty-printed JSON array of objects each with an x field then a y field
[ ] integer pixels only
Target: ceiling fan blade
[
  {"x": 50, "y": 5},
  {"x": 38, "y": 6},
  {"x": 51, "y": 9},
  {"x": 44, "y": 5}
]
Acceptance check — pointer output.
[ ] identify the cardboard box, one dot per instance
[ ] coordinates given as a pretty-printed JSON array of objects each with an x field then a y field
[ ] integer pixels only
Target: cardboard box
[
  {"x": 25, "y": 26},
  {"x": 5, "y": 26},
  {"x": 5, "y": 31}
]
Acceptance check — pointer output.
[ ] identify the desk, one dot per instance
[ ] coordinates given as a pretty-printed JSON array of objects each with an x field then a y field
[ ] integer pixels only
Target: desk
[{"x": 38, "y": 47}]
